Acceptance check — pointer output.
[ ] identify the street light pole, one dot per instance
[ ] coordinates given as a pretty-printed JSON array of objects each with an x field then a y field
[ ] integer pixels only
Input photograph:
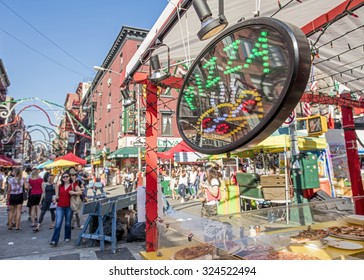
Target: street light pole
[
  {"x": 138, "y": 118},
  {"x": 102, "y": 69},
  {"x": 90, "y": 108},
  {"x": 92, "y": 135}
]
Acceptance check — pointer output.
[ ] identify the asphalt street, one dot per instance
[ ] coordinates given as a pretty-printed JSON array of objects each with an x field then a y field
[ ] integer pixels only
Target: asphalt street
[{"x": 27, "y": 245}]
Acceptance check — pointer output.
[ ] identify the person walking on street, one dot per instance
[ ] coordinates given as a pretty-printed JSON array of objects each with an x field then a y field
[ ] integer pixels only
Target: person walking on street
[
  {"x": 194, "y": 182},
  {"x": 49, "y": 192},
  {"x": 182, "y": 183},
  {"x": 129, "y": 179},
  {"x": 76, "y": 212},
  {"x": 86, "y": 178},
  {"x": 15, "y": 198},
  {"x": 26, "y": 176},
  {"x": 35, "y": 183},
  {"x": 63, "y": 210},
  {"x": 1, "y": 183}
]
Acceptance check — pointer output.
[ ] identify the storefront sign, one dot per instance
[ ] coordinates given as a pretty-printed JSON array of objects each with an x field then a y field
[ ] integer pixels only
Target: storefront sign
[
  {"x": 243, "y": 86},
  {"x": 71, "y": 138},
  {"x": 161, "y": 142}
]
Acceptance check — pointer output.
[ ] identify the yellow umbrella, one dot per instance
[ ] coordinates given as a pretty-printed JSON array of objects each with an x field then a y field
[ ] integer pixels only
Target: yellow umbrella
[
  {"x": 275, "y": 144},
  {"x": 60, "y": 163}
]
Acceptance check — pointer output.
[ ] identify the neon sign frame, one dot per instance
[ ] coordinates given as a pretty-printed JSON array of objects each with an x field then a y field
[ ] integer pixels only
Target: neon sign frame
[{"x": 296, "y": 76}]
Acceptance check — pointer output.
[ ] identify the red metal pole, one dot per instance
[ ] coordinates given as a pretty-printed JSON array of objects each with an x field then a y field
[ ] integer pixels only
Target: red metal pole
[
  {"x": 353, "y": 159},
  {"x": 151, "y": 204}
]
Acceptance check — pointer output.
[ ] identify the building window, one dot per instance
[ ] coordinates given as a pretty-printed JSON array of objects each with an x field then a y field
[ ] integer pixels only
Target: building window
[
  {"x": 166, "y": 124},
  {"x": 112, "y": 131}
]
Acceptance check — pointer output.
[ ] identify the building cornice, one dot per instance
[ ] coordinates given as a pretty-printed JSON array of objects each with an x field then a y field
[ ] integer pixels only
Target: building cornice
[{"x": 126, "y": 32}]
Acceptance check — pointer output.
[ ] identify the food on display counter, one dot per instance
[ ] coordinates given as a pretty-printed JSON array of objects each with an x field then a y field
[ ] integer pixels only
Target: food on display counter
[
  {"x": 353, "y": 232},
  {"x": 229, "y": 246},
  {"x": 279, "y": 255},
  {"x": 203, "y": 251},
  {"x": 252, "y": 249},
  {"x": 309, "y": 235}
]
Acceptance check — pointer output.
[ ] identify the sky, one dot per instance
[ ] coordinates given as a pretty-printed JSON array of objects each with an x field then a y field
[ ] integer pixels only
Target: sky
[{"x": 38, "y": 65}]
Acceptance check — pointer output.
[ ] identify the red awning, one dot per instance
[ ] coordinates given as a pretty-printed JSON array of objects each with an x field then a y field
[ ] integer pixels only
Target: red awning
[
  {"x": 5, "y": 161},
  {"x": 72, "y": 157},
  {"x": 180, "y": 147}
]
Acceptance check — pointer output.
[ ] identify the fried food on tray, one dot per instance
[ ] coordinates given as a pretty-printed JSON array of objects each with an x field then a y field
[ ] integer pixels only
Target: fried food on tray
[
  {"x": 279, "y": 255},
  {"x": 348, "y": 232},
  {"x": 310, "y": 235},
  {"x": 194, "y": 252}
]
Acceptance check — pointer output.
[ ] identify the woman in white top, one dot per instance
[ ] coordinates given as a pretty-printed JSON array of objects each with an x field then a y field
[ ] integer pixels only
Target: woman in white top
[
  {"x": 194, "y": 182},
  {"x": 211, "y": 193},
  {"x": 173, "y": 184},
  {"x": 15, "y": 198},
  {"x": 182, "y": 184}
]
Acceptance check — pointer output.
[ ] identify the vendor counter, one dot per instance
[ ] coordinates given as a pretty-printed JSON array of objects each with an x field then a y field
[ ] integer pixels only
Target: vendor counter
[
  {"x": 253, "y": 230},
  {"x": 314, "y": 249},
  {"x": 327, "y": 252}
]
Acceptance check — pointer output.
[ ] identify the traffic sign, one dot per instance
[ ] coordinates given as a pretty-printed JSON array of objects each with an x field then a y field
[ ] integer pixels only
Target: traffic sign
[{"x": 138, "y": 144}]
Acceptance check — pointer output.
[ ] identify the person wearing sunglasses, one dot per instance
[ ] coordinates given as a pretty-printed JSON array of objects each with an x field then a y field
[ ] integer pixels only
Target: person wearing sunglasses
[{"x": 63, "y": 211}]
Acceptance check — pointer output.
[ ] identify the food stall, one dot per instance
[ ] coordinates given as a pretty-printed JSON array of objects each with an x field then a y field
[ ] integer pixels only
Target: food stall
[{"x": 334, "y": 234}]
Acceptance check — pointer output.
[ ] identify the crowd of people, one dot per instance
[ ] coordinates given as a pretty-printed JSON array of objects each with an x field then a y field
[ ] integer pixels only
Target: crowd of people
[
  {"x": 203, "y": 183},
  {"x": 55, "y": 193},
  {"x": 62, "y": 195}
]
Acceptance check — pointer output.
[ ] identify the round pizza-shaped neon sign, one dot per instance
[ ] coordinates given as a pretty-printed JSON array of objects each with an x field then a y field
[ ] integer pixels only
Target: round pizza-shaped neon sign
[{"x": 243, "y": 86}]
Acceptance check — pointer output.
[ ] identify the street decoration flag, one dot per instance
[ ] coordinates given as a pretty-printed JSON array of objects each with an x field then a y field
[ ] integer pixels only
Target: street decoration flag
[
  {"x": 313, "y": 86},
  {"x": 306, "y": 109}
]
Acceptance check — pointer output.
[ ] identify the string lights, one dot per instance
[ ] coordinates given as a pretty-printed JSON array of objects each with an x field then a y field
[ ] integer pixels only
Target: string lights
[{"x": 338, "y": 55}]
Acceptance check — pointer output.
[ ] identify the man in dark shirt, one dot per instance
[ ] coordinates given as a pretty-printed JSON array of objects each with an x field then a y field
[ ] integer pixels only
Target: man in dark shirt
[{"x": 83, "y": 175}]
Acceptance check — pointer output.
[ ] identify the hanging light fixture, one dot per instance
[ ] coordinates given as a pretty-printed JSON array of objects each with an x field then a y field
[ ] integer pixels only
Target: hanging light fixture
[
  {"x": 209, "y": 26},
  {"x": 128, "y": 103},
  {"x": 125, "y": 93},
  {"x": 126, "y": 96},
  {"x": 158, "y": 74}
]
